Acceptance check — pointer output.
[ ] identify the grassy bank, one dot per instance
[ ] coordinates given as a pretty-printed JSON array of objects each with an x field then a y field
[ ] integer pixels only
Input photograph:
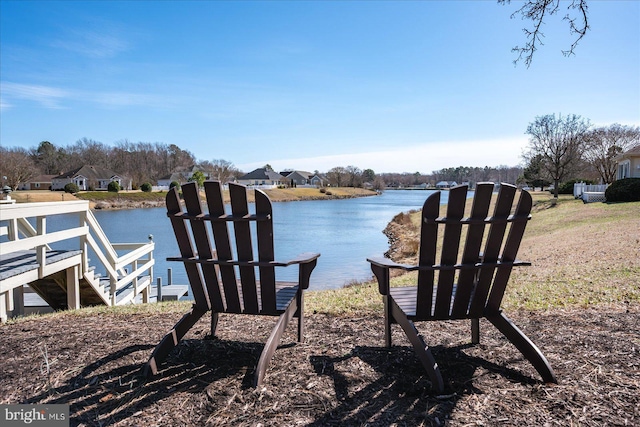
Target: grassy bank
[
  {"x": 141, "y": 199},
  {"x": 582, "y": 254}
]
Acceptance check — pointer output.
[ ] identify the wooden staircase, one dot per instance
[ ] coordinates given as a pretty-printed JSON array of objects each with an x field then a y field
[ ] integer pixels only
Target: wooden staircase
[
  {"x": 94, "y": 290},
  {"x": 64, "y": 278}
]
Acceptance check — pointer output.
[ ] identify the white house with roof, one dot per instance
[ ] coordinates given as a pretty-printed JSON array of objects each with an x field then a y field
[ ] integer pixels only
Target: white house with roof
[
  {"x": 298, "y": 178},
  {"x": 181, "y": 176},
  {"x": 446, "y": 184},
  {"x": 629, "y": 163},
  {"x": 90, "y": 177},
  {"x": 262, "y": 177}
]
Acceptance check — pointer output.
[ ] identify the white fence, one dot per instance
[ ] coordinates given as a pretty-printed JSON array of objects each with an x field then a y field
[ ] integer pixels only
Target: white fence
[{"x": 579, "y": 188}]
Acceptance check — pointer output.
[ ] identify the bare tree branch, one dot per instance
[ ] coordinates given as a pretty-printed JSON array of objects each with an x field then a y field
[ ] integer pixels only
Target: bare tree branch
[{"x": 536, "y": 11}]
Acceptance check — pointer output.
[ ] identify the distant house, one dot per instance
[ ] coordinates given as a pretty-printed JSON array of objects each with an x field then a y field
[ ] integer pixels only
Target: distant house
[
  {"x": 629, "y": 163},
  {"x": 318, "y": 180},
  {"x": 166, "y": 180},
  {"x": 298, "y": 178},
  {"x": 90, "y": 177},
  {"x": 181, "y": 176},
  {"x": 446, "y": 184},
  {"x": 263, "y": 178},
  {"x": 42, "y": 182}
]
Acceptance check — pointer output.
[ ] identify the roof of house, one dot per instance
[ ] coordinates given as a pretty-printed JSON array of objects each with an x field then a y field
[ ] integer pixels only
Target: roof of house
[
  {"x": 633, "y": 152},
  {"x": 89, "y": 172},
  {"x": 262, "y": 173},
  {"x": 42, "y": 178},
  {"x": 304, "y": 174}
]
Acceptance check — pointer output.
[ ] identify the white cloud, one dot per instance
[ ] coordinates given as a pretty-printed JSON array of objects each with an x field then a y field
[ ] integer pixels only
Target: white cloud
[
  {"x": 48, "y": 97},
  {"x": 423, "y": 158},
  {"x": 53, "y": 97},
  {"x": 92, "y": 44}
]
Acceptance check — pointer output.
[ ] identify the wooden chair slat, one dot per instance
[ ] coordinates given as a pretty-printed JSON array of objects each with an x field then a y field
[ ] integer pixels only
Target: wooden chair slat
[
  {"x": 215, "y": 205},
  {"x": 264, "y": 233},
  {"x": 427, "y": 254},
  {"x": 244, "y": 247}
]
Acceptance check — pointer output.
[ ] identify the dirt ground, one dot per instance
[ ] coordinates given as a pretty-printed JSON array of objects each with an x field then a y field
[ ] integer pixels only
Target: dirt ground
[{"x": 341, "y": 375}]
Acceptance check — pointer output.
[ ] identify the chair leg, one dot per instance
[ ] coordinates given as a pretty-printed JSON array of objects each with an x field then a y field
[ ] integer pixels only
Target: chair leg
[
  {"x": 475, "y": 331},
  {"x": 300, "y": 314},
  {"x": 171, "y": 340},
  {"x": 528, "y": 349},
  {"x": 214, "y": 323},
  {"x": 387, "y": 320},
  {"x": 419, "y": 346},
  {"x": 273, "y": 341}
]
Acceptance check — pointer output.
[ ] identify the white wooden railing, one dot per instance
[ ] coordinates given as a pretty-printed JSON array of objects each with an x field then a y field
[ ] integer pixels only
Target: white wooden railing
[{"x": 127, "y": 266}]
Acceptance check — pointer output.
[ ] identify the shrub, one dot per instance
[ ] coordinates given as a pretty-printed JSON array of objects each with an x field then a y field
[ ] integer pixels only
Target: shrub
[
  {"x": 323, "y": 190},
  {"x": 624, "y": 190},
  {"x": 146, "y": 187},
  {"x": 113, "y": 187},
  {"x": 71, "y": 188},
  {"x": 174, "y": 184}
]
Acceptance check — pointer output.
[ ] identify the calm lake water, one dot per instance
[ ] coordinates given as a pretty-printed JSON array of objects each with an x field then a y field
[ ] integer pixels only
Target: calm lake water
[{"x": 344, "y": 232}]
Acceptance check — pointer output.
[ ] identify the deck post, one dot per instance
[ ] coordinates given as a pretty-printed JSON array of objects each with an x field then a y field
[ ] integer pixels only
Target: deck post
[
  {"x": 159, "y": 290},
  {"x": 73, "y": 287},
  {"x": 18, "y": 301},
  {"x": 3, "y": 307}
]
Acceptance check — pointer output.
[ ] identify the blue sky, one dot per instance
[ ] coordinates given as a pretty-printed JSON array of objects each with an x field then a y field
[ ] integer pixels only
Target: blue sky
[{"x": 395, "y": 86}]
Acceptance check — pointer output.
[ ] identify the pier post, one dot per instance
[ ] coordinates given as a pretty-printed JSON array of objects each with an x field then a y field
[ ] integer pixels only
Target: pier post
[{"x": 159, "y": 289}]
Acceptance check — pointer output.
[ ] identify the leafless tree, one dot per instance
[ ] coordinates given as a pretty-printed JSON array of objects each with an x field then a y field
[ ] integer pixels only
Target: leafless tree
[
  {"x": 354, "y": 174},
  {"x": 537, "y": 11},
  {"x": 603, "y": 144},
  {"x": 338, "y": 176},
  {"x": 16, "y": 166},
  {"x": 223, "y": 170},
  {"x": 560, "y": 143}
]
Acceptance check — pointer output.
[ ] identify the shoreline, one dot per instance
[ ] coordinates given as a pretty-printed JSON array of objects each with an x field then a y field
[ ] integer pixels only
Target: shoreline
[{"x": 138, "y": 200}]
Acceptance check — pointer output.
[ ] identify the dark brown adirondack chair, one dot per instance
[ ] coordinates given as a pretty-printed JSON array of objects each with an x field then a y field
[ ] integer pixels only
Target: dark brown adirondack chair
[
  {"x": 211, "y": 266},
  {"x": 465, "y": 281}
]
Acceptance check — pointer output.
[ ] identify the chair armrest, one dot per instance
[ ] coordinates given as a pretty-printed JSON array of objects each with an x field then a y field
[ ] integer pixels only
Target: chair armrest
[
  {"x": 307, "y": 262},
  {"x": 387, "y": 263},
  {"x": 381, "y": 266},
  {"x": 302, "y": 258}
]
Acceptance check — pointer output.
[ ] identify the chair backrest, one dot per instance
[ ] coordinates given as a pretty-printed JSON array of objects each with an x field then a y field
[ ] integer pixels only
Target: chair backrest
[
  {"x": 215, "y": 285},
  {"x": 464, "y": 273}
]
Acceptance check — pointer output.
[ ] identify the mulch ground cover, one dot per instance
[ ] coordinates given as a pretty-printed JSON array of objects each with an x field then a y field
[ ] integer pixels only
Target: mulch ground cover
[{"x": 340, "y": 376}]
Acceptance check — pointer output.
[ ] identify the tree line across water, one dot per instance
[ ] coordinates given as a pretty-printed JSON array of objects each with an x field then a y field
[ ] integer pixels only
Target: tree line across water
[{"x": 561, "y": 148}]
